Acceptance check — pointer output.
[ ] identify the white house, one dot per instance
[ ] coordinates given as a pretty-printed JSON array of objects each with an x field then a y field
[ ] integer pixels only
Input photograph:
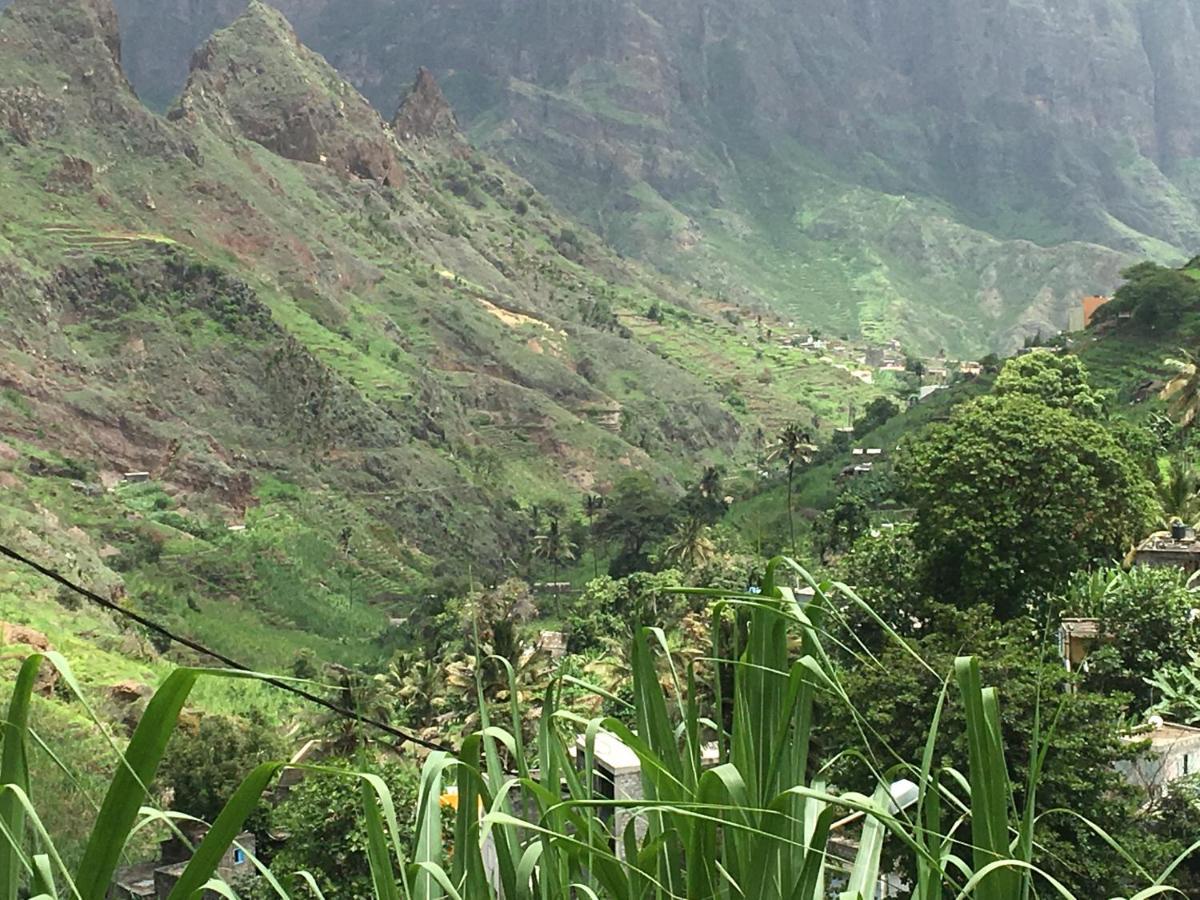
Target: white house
[{"x": 1174, "y": 753}]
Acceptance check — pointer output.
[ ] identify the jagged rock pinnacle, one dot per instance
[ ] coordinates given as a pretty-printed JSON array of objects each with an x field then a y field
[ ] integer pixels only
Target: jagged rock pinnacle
[
  {"x": 108, "y": 29},
  {"x": 257, "y": 80},
  {"x": 425, "y": 112}
]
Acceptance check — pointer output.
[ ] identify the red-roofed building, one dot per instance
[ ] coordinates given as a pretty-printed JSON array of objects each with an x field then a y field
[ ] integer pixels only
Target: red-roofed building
[{"x": 1090, "y": 305}]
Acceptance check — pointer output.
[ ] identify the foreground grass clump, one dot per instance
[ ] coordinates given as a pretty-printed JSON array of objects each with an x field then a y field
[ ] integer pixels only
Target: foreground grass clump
[{"x": 754, "y": 823}]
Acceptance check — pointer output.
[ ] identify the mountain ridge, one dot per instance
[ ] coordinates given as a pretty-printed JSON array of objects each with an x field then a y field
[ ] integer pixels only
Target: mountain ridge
[
  {"x": 757, "y": 148},
  {"x": 373, "y": 375}
]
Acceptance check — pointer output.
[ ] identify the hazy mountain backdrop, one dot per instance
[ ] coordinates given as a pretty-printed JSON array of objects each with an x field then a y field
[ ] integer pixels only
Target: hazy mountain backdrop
[{"x": 954, "y": 174}]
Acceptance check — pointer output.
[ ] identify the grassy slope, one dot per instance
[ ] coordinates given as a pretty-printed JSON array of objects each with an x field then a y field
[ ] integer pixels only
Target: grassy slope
[
  {"x": 432, "y": 362},
  {"x": 780, "y": 227},
  {"x": 1122, "y": 358}
]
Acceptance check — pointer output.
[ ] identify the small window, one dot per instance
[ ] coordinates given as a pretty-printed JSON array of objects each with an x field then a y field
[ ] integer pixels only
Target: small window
[
  {"x": 239, "y": 855},
  {"x": 1187, "y": 763}
]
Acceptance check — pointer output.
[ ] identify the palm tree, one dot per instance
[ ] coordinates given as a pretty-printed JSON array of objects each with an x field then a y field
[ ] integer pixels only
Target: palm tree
[
  {"x": 554, "y": 547},
  {"x": 793, "y": 447},
  {"x": 1182, "y": 392},
  {"x": 532, "y": 670},
  {"x": 342, "y": 734},
  {"x": 418, "y": 686},
  {"x": 690, "y": 546},
  {"x": 592, "y": 505},
  {"x": 1177, "y": 492},
  {"x": 688, "y": 645}
]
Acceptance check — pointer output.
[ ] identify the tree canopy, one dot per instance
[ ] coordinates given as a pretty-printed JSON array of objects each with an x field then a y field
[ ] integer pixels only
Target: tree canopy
[
  {"x": 1011, "y": 496},
  {"x": 1058, "y": 380},
  {"x": 205, "y": 764},
  {"x": 637, "y": 513},
  {"x": 1154, "y": 294}
]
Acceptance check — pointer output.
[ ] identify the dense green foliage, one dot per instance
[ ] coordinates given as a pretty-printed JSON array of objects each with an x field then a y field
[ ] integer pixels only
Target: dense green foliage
[
  {"x": 327, "y": 833},
  {"x": 1148, "y": 622},
  {"x": 206, "y": 761},
  {"x": 397, "y": 354},
  {"x": 754, "y": 824},
  {"x": 1083, "y": 729},
  {"x": 1054, "y": 379},
  {"x": 638, "y": 513},
  {"x": 1011, "y": 496}
]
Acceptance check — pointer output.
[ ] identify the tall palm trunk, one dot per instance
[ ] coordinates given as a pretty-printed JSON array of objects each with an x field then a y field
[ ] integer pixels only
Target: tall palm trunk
[
  {"x": 791, "y": 518},
  {"x": 592, "y": 541}
]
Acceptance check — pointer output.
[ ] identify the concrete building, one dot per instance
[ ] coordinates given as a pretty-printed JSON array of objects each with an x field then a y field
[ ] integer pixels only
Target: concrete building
[
  {"x": 1174, "y": 753},
  {"x": 155, "y": 880},
  {"x": 617, "y": 775},
  {"x": 1178, "y": 547}
]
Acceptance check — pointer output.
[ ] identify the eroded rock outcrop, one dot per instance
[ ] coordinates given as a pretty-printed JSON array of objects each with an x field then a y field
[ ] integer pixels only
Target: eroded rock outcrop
[
  {"x": 75, "y": 49},
  {"x": 33, "y": 641},
  {"x": 255, "y": 79},
  {"x": 425, "y": 113}
]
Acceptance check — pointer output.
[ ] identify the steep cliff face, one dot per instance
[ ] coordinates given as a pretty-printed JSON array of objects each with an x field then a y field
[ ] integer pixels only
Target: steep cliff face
[{"x": 695, "y": 133}]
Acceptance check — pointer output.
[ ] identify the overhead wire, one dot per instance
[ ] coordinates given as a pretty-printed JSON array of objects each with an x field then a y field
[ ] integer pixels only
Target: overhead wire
[{"x": 226, "y": 661}]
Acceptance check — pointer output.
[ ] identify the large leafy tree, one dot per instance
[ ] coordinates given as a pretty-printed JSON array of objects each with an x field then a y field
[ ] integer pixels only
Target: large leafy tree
[
  {"x": 1154, "y": 294},
  {"x": 1012, "y": 496},
  {"x": 206, "y": 762},
  {"x": 887, "y": 572},
  {"x": 638, "y": 513},
  {"x": 878, "y": 412},
  {"x": 841, "y": 525}
]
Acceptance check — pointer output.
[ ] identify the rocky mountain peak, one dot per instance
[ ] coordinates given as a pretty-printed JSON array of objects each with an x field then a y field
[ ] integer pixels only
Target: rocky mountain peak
[
  {"x": 256, "y": 80},
  {"x": 425, "y": 112},
  {"x": 77, "y": 24},
  {"x": 262, "y": 15}
]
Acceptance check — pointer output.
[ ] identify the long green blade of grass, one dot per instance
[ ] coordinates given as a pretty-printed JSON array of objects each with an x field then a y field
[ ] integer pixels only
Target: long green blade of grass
[
  {"x": 383, "y": 876},
  {"x": 990, "y": 800},
  {"x": 865, "y": 873},
  {"x": 130, "y": 784},
  {"x": 14, "y": 770},
  {"x": 224, "y": 831}
]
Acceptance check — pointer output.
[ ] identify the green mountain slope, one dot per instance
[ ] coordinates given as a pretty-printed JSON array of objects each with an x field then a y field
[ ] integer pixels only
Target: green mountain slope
[
  {"x": 1131, "y": 351},
  {"x": 952, "y": 175},
  {"x": 378, "y": 351}
]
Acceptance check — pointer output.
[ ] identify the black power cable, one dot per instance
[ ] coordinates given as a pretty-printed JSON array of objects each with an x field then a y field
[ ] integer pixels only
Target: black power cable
[{"x": 342, "y": 711}]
